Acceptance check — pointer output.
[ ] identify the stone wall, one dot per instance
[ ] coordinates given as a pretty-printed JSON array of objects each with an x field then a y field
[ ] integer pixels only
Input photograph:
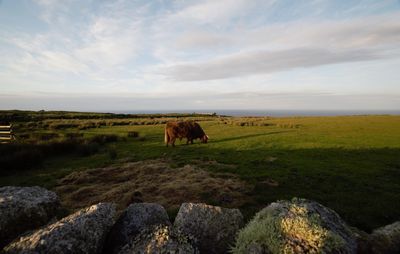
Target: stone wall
[{"x": 27, "y": 225}]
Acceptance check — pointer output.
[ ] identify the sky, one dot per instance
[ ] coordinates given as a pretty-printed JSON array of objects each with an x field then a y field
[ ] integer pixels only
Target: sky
[{"x": 105, "y": 55}]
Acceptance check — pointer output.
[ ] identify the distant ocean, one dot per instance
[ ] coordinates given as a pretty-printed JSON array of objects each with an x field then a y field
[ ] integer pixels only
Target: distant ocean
[{"x": 276, "y": 113}]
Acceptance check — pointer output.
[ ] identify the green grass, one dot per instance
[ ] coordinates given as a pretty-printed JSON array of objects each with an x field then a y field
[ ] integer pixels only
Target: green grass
[{"x": 350, "y": 164}]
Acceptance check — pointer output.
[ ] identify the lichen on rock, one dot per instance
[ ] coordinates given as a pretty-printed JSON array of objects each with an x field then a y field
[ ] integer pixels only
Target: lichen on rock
[
  {"x": 81, "y": 232},
  {"x": 161, "y": 239},
  {"x": 24, "y": 208},
  {"x": 297, "y": 226},
  {"x": 214, "y": 227},
  {"x": 386, "y": 239},
  {"x": 136, "y": 218}
]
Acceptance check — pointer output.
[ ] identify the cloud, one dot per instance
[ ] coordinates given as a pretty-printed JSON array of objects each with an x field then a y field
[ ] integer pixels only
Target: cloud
[
  {"x": 92, "y": 48},
  {"x": 53, "y": 11},
  {"x": 201, "y": 101},
  {"x": 109, "y": 41},
  {"x": 257, "y": 62},
  {"x": 200, "y": 40},
  {"x": 212, "y": 12},
  {"x": 281, "y": 46},
  {"x": 380, "y": 30}
]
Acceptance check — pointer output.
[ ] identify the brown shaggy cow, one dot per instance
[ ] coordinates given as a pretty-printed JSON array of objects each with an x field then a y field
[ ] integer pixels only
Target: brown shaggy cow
[{"x": 188, "y": 129}]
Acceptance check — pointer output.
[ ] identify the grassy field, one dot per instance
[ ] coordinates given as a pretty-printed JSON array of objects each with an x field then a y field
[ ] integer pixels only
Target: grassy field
[{"x": 350, "y": 164}]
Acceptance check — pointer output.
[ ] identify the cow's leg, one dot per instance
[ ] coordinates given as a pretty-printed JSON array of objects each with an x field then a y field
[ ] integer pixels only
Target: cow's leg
[
  {"x": 187, "y": 141},
  {"x": 166, "y": 137},
  {"x": 191, "y": 141},
  {"x": 173, "y": 142}
]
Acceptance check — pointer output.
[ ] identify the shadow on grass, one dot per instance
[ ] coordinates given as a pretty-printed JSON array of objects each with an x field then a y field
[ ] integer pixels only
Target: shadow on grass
[
  {"x": 246, "y": 136},
  {"x": 362, "y": 185}
]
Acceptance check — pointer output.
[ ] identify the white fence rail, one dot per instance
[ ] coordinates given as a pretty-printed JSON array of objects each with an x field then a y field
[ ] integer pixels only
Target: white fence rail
[{"x": 6, "y": 134}]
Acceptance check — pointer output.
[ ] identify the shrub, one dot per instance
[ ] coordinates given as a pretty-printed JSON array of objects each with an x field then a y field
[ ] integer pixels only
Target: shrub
[
  {"x": 141, "y": 139},
  {"x": 60, "y": 125},
  {"x": 73, "y": 135},
  {"x": 288, "y": 125},
  {"x": 87, "y": 149},
  {"x": 58, "y": 148},
  {"x": 86, "y": 125},
  {"x": 18, "y": 157},
  {"x": 104, "y": 138},
  {"x": 24, "y": 135},
  {"x": 100, "y": 123},
  {"x": 31, "y": 125},
  {"x": 112, "y": 153},
  {"x": 133, "y": 134},
  {"x": 46, "y": 136}
]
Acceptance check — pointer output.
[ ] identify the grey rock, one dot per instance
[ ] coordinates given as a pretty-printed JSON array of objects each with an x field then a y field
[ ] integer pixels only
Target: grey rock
[
  {"x": 297, "y": 226},
  {"x": 386, "y": 239},
  {"x": 362, "y": 239},
  {"x": 24, "y": 208},
  {"x": 81, "y": 232},
  {"x": 160, "y": 239},
  {"x": 134, "y": 220},
  {"x": 214, "y": 227}
]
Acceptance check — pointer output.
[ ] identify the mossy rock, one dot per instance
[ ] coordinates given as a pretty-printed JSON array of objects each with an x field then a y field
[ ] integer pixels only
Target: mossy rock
[
  {"x": 161, "y": 239},
  {"x": 296, "y": 226},
  {"x": 386, "y": 239}
]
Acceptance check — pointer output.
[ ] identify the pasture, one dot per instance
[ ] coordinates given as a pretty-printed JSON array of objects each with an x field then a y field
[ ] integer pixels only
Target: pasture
[{"x": 348, "y": 163}]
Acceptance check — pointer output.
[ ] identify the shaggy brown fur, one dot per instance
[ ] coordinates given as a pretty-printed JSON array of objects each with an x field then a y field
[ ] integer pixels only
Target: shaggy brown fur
[{"x": 188, "y": 129}]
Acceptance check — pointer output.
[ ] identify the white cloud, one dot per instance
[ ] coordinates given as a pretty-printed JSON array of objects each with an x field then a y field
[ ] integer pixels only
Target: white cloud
[
  {"x": 212, "y": 12},
  {"x": 248, "y": 63},
  {"x": 93, "y": 49},
  {"x": 200, "y": 40},
  {"x": 110, "y": 41},
  {"x": 286, "y": 46}
]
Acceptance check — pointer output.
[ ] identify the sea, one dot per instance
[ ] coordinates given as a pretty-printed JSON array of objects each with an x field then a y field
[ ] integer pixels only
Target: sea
[{"x": 274, "y": 112}]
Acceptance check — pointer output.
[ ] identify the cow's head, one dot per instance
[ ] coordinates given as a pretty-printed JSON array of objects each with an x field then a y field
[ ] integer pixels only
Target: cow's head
[{"x": 204, "y": 139}]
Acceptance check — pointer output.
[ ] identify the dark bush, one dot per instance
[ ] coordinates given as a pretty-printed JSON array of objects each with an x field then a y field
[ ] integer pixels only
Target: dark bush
[
  {"x": 24, "y": 156},
  {"x": 31, "y": 124},
  {"x": 24, "y": 135},
  {"x": 19, "y": 158},
  {"x": 104, "y": 138},
  {"x": 141, "y": 138},
  {"x": 59, "y": 148},
  {"x": 100, "y": 123},
  {"x": 133, "y": 134},
  {"x": 86, "y": 125},
  {"x": 73, "y": 135},
  {"x": 87, "y": 149},
  {"x": 46, "y": 136},
  {"x": 112, "y": 153},
  {"x": 62, "y": 125}
]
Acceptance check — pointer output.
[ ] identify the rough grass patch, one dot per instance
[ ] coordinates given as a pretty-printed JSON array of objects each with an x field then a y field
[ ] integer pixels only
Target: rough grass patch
[{"x": 170, "y": 187}]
